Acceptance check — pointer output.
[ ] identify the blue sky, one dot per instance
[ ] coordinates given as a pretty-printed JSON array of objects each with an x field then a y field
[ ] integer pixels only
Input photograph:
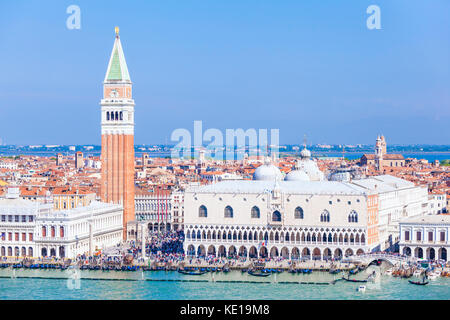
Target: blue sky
[{"x": 304, "y": 67}]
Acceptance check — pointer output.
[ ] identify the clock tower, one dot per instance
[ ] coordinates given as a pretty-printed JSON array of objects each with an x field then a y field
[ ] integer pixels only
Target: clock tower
[{"x": 117, "y": 177}]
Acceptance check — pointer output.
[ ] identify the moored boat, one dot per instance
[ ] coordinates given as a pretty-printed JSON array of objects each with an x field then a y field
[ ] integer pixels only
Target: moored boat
[
  {"x": 259, "y": 273},
  {"x": 419, "y": 283},
  {"x": 191, "y": 272}
]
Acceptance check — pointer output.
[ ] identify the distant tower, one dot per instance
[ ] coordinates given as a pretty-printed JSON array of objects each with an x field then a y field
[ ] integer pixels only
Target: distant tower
[
  {"x": 79, "y": 161},
  {"x": 117, "y": 185},
  {"x": 59, "y": 159},
  {"x": 379, "y": 154},
  {"x": 383, "y": 145},
  {"x": 201, "y": 163},
  {"x": 145, "y": 160}
]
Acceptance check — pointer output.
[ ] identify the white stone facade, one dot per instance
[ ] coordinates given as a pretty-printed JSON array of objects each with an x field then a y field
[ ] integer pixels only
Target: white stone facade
[
  {"x": 311, "y": 219},
  {"x": 425, "y": 237},
  {"x": 83, "y": 230},
  {"x": 33, "y": 229}
]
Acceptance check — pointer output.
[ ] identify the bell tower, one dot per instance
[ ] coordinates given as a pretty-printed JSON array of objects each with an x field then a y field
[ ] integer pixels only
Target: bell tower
[
  {"x": 379, "y": 154},
  {"x": 117, "y": 119}
]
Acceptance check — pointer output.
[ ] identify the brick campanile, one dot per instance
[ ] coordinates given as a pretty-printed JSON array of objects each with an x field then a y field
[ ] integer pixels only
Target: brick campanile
[{"x": 117, "y": 182}]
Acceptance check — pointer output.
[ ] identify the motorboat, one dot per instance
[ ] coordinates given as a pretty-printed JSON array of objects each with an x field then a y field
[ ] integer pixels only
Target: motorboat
[
  {"x": 434, "y": 275},
  {"x": 361, "y": 288}
]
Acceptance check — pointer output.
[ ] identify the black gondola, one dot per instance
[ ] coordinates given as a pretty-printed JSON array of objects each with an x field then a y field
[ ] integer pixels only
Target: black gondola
[
  {"x": 259, "y": 274},
  {"x": 191, "y": 273},
  {"x": 418, "y": 282},
  {"x": 353, "y": 280}
]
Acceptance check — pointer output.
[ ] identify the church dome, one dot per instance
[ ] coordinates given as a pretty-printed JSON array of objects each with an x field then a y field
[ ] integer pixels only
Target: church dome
[
  {"x": 310, "y": 168},
  {"x": 305, "y": 153},
  {"x": 342, "y": 176},
  {"x": 297, "y": 175},
  {"x": 267, "y": 172}
]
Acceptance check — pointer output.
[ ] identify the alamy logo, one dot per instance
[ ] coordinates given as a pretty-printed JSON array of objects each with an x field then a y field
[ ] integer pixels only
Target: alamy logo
[
  {"x": 73, "y": 280},
  {"x": 237, "y": 142},
  {"x": 74, "y": 20},
  {"x": 374, "y": 20}
]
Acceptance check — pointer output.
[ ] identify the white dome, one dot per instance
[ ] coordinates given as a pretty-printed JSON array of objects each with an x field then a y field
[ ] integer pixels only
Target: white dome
[
  {"x": 297, "y": 175},
  {"x": 310, "y": 168},
  {"x": 305, "y": 153},
  {"x": 267, "y": 172}
]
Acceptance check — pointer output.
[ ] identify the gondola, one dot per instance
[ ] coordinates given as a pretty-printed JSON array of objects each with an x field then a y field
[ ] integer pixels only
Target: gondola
[
  {"x": 259, "y": 274},
  {"x": 191, "y": 273},
  {"x": 353, "y": 280},
  {"x": 277, "y": 271},
  {"x": 418, "y": 282}
]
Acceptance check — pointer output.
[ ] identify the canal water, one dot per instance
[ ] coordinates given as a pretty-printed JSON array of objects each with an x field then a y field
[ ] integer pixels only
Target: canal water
[{"x": 113, "y": 285}]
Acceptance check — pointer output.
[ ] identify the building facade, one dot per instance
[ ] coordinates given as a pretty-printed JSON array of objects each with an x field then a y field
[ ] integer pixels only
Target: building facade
[
  {"x": 296, "y": 218},
  {"x": 18, "y": 224},
  {"x": 425, "y": 237},
  {"x": 381, "y": 158},
  {"x": 155, "y": 208},
  {"x": 83, "y": 230},
  {"x": 161, "y": 211},
  {"x": 35, "y": 229},
  {"x": 117, "y": 118}
]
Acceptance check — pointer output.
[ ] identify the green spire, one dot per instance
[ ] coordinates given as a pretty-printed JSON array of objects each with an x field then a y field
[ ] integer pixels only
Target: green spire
[
  {"x": 115, "y": 73},
  {"x": 117, "y": 67}
]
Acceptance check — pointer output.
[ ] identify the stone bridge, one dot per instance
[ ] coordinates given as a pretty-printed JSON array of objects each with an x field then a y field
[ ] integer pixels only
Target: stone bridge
[{"x": 392, "y": 259}]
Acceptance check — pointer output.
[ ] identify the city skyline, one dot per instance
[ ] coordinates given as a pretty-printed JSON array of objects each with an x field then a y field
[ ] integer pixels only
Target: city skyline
[{"x": 271, "y": 64}]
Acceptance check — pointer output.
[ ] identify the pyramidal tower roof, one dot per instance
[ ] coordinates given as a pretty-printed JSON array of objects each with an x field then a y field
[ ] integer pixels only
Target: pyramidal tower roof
[{"x": 117, "y": 67}]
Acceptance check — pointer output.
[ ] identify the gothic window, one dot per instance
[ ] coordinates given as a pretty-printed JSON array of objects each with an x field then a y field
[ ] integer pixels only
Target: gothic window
[
  {"x": 107, "y": 115},
  {"x": 202, "y": 212},
  {"x": 353, "y": 216},
  {"x": 228, "y": 212},
  {"x": 121, "y": 115},
  {"x": 255, "y": 212},
  {"x": 276, "y": 216},
  {"x": 325, "y": 216},
  {"x": 298, "y": 213}
]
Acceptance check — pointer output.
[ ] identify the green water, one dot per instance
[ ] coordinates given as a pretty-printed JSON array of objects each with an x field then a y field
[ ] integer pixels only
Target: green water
[{"x": 155, "y": 285}]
